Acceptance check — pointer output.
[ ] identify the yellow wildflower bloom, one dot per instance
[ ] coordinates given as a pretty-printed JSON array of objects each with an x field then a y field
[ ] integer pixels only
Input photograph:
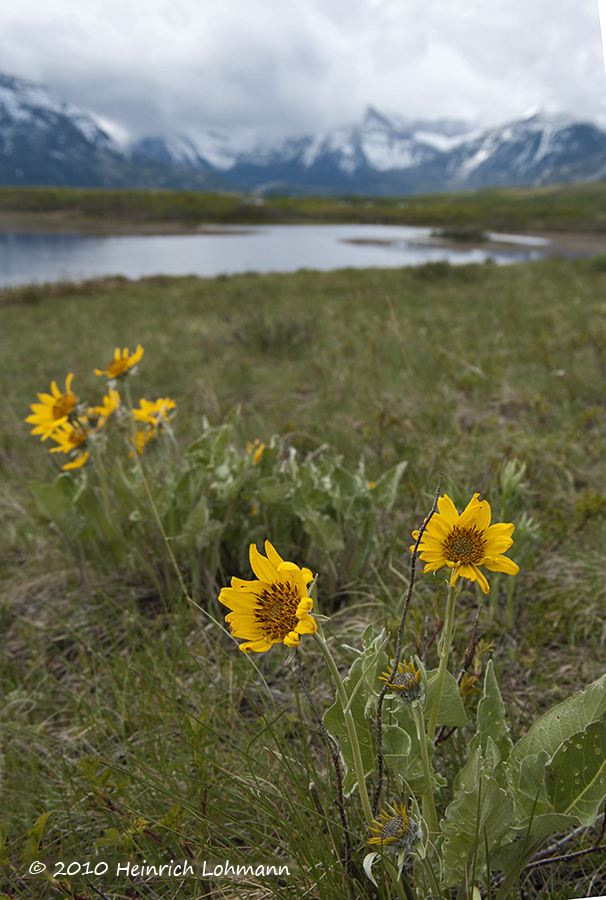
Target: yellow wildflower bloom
[
  {"x": 142, "y": 438},
  {"x": 77, "y": 462},
  {"x": 69, "y": 438},
  {"x": 464, "y": 541},
  {"x": 100, "y": 414},
  {"x": 273, "y": 610},
  {"x": 122, "y": 363},
  {"x": 154, "y": 413},
  {"x": 53, "y": 410},
  {"x": 258, "y": 449}
]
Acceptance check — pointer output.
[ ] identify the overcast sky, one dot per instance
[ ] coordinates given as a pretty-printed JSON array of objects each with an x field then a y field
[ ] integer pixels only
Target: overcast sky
[{"x": 159, "y": 66}]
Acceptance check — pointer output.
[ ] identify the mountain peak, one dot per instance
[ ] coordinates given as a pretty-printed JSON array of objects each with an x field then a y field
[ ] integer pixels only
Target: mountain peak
[{"x": 44, "y": 139}]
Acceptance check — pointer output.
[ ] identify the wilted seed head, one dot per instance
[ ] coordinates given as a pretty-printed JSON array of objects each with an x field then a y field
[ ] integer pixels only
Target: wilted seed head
[
  {"x": 406, "y": 683},
  {"x": 395, "y": 829}
]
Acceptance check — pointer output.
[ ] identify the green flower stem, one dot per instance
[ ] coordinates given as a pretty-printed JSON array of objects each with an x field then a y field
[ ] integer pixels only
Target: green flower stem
[
  {"x": 431, "y": 876},
  {"x": 429, "y": 806},
  {"x": 351, "y": 728},
  {"x": 133, "y": 435},
  {"x": 394, "y": 877},
  {"x": 444, "y": 651},
  {"x": 94, "y": 452}
]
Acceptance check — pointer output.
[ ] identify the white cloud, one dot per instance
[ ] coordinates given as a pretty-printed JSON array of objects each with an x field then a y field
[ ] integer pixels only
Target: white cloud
[{"x": 163, "y": 65}]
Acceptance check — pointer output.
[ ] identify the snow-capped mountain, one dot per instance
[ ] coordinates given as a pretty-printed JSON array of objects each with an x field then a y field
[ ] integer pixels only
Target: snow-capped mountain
[
  {"x": 340, "y": 159},
  {"x": 541, "y": 149},
  {"x": 44, "y": 140},
  {"x": 385, "y": 154}
]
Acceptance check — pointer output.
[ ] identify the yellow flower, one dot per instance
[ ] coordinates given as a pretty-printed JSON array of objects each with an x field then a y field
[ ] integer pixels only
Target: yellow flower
[
  {"x": 154, "y": 413},
  {"x": 273, "y": 610},
  {"x": 53, "y": 410},
  {"x": 77, "y": 462},
  {"x": 69, "y": 438},
  {"x": 258, "y": 450},
  {"x": 100, "y": 414},
  {"x": 143, "y": 437},
  {"x": 395, "y": 829},
  {"x": 121, "y": 363},
  {"x": 465, "y": 541}
]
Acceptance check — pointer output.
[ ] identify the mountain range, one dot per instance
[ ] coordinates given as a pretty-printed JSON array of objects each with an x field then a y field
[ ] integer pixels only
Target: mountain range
[{"x": 44, "y": 140}]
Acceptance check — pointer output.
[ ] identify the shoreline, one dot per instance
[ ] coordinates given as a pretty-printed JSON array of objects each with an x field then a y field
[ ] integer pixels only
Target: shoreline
[{"x": 581, "y": 243}]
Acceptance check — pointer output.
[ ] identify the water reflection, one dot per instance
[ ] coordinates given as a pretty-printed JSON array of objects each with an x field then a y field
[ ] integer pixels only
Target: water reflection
[{"x": 31, "y": 258}]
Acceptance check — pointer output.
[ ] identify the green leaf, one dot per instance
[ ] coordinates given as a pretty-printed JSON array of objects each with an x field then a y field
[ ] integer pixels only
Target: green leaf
[
  {"x": 397, "y": 745},
  {"x": 561, "y": 722},
  {"x": 197, "y": 518},
  {"x": 576, "y": 776},
  {"x": 412, "y": 768},
  {"x": 526, "y": 767},
  {"x": 491, "y": 721},
  {"x": 112, "y": 839},
  {"x": 324, "y": 531},
  {"x": 210, "y": 447},
  {"x": 480, "y": 816},
  {"x": 56, "y": 504},
  {"x": 360, "y": 687},
  {"x": 272, "y": 492},
  {"x": 451, "y": 711},
  {"x": 385, "y": 489}
]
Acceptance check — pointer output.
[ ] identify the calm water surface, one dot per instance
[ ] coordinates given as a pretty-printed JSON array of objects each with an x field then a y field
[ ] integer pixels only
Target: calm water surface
[{"x": 36, "y": 258}]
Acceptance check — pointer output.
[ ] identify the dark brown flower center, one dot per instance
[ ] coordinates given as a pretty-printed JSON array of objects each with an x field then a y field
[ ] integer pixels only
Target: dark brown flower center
[
  {"x": 64, "y": 405},
  {"x": 403, "y": 681},
  {"x": 394, "y": 829},
  {"x": 276, "y": 610},
  {"x": 77, "y": 437},
  {"x": 464, "y": 545}
]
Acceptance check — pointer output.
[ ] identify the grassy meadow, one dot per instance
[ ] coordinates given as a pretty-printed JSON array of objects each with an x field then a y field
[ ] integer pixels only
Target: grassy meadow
[
  {"x": 573, "y": 207},
  {"x": 131, "y": 725}
]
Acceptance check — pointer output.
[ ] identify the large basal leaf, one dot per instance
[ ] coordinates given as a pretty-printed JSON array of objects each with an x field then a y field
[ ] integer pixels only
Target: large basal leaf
[
  {"x": 526, "y": 769},
  {"x": 480, "y": 816},
  {"x": 56, "y": 503},
  {"x": 491, "y": 721},
  {"x": 270, "y": 491},
  {"x": 324, "y": 531},
  {"x": 561, "y": 722},
  {"x": 385, "y": 489},
  {"x": 576, "y": 776}
]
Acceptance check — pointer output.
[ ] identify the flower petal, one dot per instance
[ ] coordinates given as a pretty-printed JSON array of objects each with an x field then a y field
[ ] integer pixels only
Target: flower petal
[
  {"x": 501, "y": 564},
  {"x": 448, "y": 510},
  {"x": 235, "y": 600},
  {"x": 292, "y": 639},
  {"x": 248, "y": 587},
  {"x": 306, "y": 625},
  {"x": 261, "y": 566},
  {"x": 272, "y": 554},
  {"x": 260, "y": 645}
]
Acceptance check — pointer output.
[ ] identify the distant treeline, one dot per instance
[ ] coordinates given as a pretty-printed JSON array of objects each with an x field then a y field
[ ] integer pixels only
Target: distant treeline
[{"x": 560, "y": 208}]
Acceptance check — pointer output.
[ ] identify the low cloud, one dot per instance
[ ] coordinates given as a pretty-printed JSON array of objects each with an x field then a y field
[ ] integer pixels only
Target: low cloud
[{"x": 154, "y": 66}]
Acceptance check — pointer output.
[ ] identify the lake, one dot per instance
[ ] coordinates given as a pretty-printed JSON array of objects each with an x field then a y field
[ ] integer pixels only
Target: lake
[{"x": 37, "y": 258}]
